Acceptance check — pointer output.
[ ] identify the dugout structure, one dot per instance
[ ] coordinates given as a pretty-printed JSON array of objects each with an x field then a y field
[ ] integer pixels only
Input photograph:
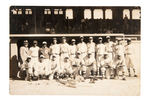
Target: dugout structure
[{"x": 16, "y": 41}]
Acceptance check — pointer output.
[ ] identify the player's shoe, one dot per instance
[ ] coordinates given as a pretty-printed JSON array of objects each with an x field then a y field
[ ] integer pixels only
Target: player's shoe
[{"x": 135, "y": 76}]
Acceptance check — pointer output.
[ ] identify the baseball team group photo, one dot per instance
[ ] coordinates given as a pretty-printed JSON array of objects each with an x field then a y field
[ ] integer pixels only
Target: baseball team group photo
[{"x": 73, "y": 50}]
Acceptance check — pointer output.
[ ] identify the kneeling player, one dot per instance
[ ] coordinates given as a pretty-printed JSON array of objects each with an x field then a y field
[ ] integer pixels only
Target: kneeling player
[
  {"x": 55, "y": 70},
  {"x": 66, "y": 68},
  {"x": 78, "y": 66},
  {"x": 119, "y": 65},
  {"x": 91, "y": 69},
  {"x": 106, "y": 67},
  {"x": 43, "y": 68}
]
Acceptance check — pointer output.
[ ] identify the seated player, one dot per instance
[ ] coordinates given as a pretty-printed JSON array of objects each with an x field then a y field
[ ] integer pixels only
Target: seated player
[
  {"x": 90, "y": 64},
  {"x": 106, "y": 67},
  {"x": 119, "y": 65}
]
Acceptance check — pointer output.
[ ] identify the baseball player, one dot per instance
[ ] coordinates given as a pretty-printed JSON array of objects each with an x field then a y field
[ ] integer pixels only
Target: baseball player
[
  {"x": 106, "y": 66},
  {"x": 119, "y": 49},
  {"x": 129, "y": 57},
  {"x": 34, "y": 50},
  {"x": 119, "y": 65},
  {"x": 82, "y": 48},
  {"x": 73, "y": 50},
  {"x": 64, "y": 49},
  {"x": 55, "y": 68},
  {"x": 91, "y": 68},
  {"x": 91, "y": 47},
  {"x": 109, "y": 47},
  {"x": 100, "y": 50},
  {"x": 24, "y": 52},
  {"x": 78, "y": 65},
  {"x": 55, "y": 50},
  {"x": 43, "y": 69},
  {"x": 66, "y": 67},
  {"x": 45, "y": 52}
]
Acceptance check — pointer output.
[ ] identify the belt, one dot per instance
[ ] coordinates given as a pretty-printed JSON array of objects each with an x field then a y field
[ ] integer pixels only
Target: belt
[
  {"x": 64, "y": 52},
  {"x": 128, "y": 53},
  {"x": 72, "y": 53},
  {"x": 55, "y": 53},
  {"x": 34, "y": 56}
]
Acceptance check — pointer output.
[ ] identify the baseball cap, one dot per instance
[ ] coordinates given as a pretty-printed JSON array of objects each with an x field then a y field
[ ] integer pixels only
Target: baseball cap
[
  {"x": 78, "y": 52},
  {"x": 100, "y": 38},
  {"x": 66, "y": 57},
  {"x": 81, "y": 37},
  {"x": 73, "y": 40},
  {"x": 25, "y": 41},
  {"x": 44, "y": 42},
  {"x": 108, "y": 37},
  {"x": 54, "y": 39},
  {"x": 35, "y": 41},
  {"x": 29, "y": 57},
  {"x": 63, "y": 37},
  {"x": 41, "y": 56},
  {"x": 90, "y": 38}
]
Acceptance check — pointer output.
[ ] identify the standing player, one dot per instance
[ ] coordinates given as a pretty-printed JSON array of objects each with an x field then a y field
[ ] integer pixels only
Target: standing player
[
  {"x": 34, "y": 52},
  {"x": 129, "y": 56},
  {"x": 82, "y": 48},
  {"x": 73, "y": 50},
  {"x": 55, "y": 50},
  {"x": 119, "y": 49},
  {"x": 100, "y": 50},
  {"x": 64, "y": 49},
  {"x": 109, "y": 47},
  {"x": 91, "y": 47},
  {"x": 24, "y": 52}
]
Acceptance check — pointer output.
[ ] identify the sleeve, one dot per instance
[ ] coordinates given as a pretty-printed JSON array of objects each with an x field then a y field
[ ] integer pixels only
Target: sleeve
[{"x": 22, "y": 54}]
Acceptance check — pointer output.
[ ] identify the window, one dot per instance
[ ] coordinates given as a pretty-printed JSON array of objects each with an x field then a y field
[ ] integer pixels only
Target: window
[
  {"x": 98, "y": 14},
  {"x": 108, "y": 14},
  {"x": 16, "y": 11},
  {"x": 69, "y": 13},
  {"x": 28, "y": 11},
  {"x": 60, "y": 11},
  {"x": 136, "y": 14},
  {"x": 87, "y": 14},
  {"x": 47, "y": 11},
  {"x": 126, "y": 12}
]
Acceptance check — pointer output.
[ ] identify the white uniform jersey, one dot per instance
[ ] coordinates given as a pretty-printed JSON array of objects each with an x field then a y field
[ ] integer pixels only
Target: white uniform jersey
[
  {"x": 66, "y": 67},
  {"x": 24, "y": 53},
  {"x": 55, "y": 49},
  {"x": 119, "y": 49},
  {"x": 129, "y": 49},
  {"x": 89, "y": 61},
  {"x": 34, "y": 51},
  {"x": 91, "y": 47},
  {"x": 100, "y": 48},
  {"x": 120, "y": 62},
  {"x": 73, "y": 49},
  {"x": 109, "y": 47},
  {"x": 78, "y": 62},
  {"x": 64, "y": 48},
  {"x": 82, "y": 47},
  {"x": 105, "y": 62}
]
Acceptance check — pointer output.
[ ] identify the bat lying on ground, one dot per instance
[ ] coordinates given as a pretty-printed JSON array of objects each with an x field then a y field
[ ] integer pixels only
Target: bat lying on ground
[{"x": 68, "y": 82}]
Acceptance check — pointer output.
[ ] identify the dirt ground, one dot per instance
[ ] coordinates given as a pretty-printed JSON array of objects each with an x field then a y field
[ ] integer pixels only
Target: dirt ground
[{"x": 130, "y": 87}]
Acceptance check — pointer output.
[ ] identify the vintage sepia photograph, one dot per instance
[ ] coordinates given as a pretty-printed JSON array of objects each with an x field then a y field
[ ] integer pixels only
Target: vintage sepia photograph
[{"x": 75, "y": 50}]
